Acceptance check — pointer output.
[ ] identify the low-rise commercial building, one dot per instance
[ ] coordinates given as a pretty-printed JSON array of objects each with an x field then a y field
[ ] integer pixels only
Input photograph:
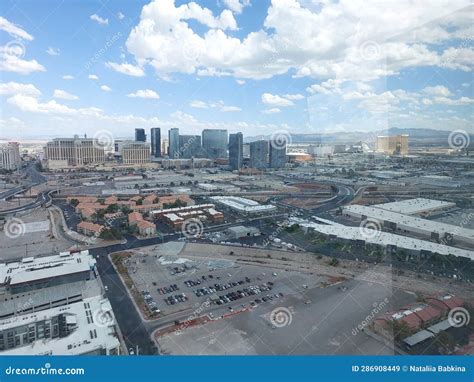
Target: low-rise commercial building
[
  {"x": 417, "y": 206},
  {"x": 81, "y": 328},
  {"x": 440, "y": 232},
  {"x": 32, "y": 273},
  {"x": 54, "y": 305},
  {"x": 246, "y": 206}
]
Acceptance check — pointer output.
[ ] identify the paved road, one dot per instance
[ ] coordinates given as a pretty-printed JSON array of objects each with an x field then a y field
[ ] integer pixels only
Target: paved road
[
  {"x": 135, "y": 331},
  {"x": 34, "y": 178}
]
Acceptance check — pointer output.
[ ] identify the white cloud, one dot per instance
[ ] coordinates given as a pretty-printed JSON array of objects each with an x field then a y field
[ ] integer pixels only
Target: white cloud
[
  {"x": 105, "y": 88},
  {"x": 276, "y": 100},
  {"x": 52, "y": 51},
  {"x": 120, "y": 16},
  {"x": 237, "y": 6},
  {"x": 11, "y": 60},
  {"x": 462, "y": 101},
  {"x": 68, "y": 77},
  {"x": 99, "y": 20},
  {"x": 14, "y": 30},
  {"x": 128, "y": 69},
  {"x": 335, "y": 40},
  {"x": 240, "y": 82},
  {"x": 93, "y": 77},
  {"x": 229, "y": 109},
  {"x": 146, "y": 93},
  {"x": 294, "y": 97},
  {"x": 273, "y": 110},
  {"x": 13, "y": 88},
  {"x": 62, "y": 94},
  {"x": 220, "y": 105},
  {"x": 437, "y": 90},
  {"x": 198, "y": 104}
]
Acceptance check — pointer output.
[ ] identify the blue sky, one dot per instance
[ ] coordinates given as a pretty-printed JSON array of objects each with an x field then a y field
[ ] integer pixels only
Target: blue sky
[{"x": 77, "y": 67}]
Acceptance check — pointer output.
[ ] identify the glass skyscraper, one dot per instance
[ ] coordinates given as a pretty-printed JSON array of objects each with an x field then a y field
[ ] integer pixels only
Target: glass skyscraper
[
  {"x": 140, "y": 135},
  {"x": 156, "y": 142},
  {"x": 259, "y": 154},
  {"x": 236, "y": 151},
  {"x": 173, "y": 142},
  {"x": 214, "y": 143}
]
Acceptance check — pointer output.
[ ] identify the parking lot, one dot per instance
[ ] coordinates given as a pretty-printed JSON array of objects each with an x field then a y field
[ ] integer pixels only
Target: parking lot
[
  {"x": 318, "y": 321},
  {"x": 171, "y": 284}
]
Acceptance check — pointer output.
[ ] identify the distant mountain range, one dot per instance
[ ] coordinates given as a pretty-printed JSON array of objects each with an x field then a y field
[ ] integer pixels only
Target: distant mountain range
[{"x": 429, "y": 136}]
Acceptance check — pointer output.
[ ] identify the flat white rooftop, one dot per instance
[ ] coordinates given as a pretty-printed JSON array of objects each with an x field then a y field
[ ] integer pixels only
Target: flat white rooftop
[
  {"x": 94, "y": 324},
  {"x": 242, "y": 204},
  {"x": 38, "y": 268},
  {"x": 386, "y": 238},
  {"x": 415, "y": 206},
  {"x": 410, "y": 221}
]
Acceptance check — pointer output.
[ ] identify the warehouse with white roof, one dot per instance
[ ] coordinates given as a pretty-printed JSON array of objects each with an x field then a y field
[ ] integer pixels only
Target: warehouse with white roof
[{"x": 429, "y": 229}]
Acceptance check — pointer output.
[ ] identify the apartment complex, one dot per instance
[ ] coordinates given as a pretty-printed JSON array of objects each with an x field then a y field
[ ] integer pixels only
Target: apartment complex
[
  {"x": 10, "y": 156},
  {"x": 74, "y": 151}
]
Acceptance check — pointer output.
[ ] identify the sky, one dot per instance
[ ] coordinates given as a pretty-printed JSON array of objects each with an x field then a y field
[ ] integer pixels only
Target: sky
[{"x": 255, "y": 66}]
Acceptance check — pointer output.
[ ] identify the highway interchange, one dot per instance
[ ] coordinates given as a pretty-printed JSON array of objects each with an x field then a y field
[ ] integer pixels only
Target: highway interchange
[{"x": 136, "y": 331}]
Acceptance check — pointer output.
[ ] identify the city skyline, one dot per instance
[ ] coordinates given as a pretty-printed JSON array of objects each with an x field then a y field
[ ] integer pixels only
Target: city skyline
[{"x": 102, "y": 72}]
